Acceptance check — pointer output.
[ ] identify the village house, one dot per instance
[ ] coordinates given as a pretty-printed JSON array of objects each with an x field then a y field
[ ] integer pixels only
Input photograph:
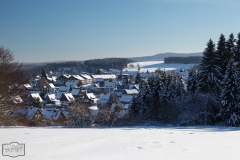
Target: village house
[
  {"x": 130, "y": 91},
  {"x": 109, "y": 86},
  {"x": 88, "y": 79},
  {"x": 76, "y": 78},
  {"x": 54, "y": 115},
  {"x": 105, "y": 77},
  {"x": 90, "y": 98},
  {"x": 51, "y": 99},
  {"x": 61, "y": 80},
  {"x": 29, "y": 115},
  {"x": 106, "y": 99},
  {"x": 67, "y": 99}
]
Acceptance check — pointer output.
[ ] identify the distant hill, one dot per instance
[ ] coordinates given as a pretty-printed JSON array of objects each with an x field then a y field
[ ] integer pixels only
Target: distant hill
[{"x": 161, "y": 56}]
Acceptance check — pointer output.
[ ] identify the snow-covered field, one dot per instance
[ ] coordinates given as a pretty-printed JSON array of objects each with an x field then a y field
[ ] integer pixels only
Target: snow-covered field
[
  {"x": 151, "y": 66},
  {"x": 147, "y": 143}
]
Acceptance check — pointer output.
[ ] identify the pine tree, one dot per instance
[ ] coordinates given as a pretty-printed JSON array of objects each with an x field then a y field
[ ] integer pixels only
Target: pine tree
[
  {"x": 210, "y": 72},
  {"x": 222, "y": 53},
  {"x": 230, "y": 44},
  {"x": 142, "y": 104},
  {"x": 153, "y": 98},
  {"x": 192, "y": 80},
  {"x": 230, "y": 96},
  {"x": 237, "y": 51},
  {"x": 138, "y": 78}
]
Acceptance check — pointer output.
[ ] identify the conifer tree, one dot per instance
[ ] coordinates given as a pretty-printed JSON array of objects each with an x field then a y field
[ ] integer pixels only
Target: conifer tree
[
  {"x": 237, "y": 51},
  {"x": 208, "y": 77},
  {"x": 230, "y": 96},
  {"x": 138, "y": 78},
  {"x": 222, "y": 53},
  {"x": 142, "y": 98},
  {"x": 192, "y": 80}
]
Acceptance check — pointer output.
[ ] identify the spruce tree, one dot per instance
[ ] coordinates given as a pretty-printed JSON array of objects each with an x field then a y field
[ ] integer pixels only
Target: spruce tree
[
  {"x": 138, "y": 78},
  {"x": 142, "y": 98},
  {"x": 222, "y": 53},
  {"x": 230, "y": 96},
  {"x": 192, "y": 80},
  {"x": 210, "y": 72},
  {"x": 237, "y": 51}
]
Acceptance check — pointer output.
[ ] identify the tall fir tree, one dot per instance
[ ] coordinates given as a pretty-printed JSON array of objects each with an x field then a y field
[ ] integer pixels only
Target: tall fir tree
[
  {"x": 138, "y": 78},
  {"x": 230, "y": 44},
  {"x": 237, "y": 51},
  {"x": 230, "y": 96},
  {"x": 210, "y": 72},
  {"x": 223, "y": 55},
  {"x": 192, "y": 80}
]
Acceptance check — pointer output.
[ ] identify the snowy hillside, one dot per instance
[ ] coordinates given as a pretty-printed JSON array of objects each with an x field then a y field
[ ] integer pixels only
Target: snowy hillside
[
  {"x": 151, "y": 66},
  {"x": 125, "y": 143}
]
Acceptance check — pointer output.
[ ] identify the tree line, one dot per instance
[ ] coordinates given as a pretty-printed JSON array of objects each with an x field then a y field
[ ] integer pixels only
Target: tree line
[
  {"x": 184, "y": 60},
  {"x": 90, "y": 66}
]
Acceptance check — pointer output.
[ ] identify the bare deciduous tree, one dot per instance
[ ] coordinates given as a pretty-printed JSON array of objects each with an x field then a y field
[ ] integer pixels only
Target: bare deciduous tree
[
  {"x": 11, "y": 74},
  {"x": 79, "y": 115}
]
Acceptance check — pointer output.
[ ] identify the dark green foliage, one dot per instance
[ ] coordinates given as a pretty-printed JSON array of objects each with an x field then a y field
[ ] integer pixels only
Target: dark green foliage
[
  {"x": 138, "y": 78},
  {"x": 230, "y": 95},
  {"x": 184, "y": 60},
  {"x": 210, "y": 73},
  {"x": 223, "y": 55},
  {"x": 192, "y": 80}
]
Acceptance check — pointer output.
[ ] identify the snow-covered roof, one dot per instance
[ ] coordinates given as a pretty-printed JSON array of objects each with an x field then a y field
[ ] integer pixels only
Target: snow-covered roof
[
  {"x": 78, "y": 77},
  {"x": 51, "y": 85},
  {"x": 30, "y": 112},
  {"x": 71, "y": 84},
  {"x": 58, "y": 95},
  {"x": 118, "y": 93},
  {"x": 54, "y": 114},
  {"x": 75, "y": 91},
  {"x": 126, "y": 98},
  {"x": 52, "y": 97},
  {"x": 131, "y": 91},
  {"x": 28, "y": 86},
  {"x": 35, "y": 96},
  {"x": 69, "y": 96},
  {"x": 86, "y": 76},
  {"x": 66, "y": 75},
  {"x": 131, "y": 86},
  {"x": 104, "y": 97},
  {"x": 105, "y": 76},
  {"x": 63, "y": 89},
  {"x": 91, "y": 96}
]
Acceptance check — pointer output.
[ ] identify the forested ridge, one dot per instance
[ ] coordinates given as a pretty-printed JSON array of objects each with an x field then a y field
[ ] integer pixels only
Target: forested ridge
[
  {"x": 88, "y": 66},
  {"x": 184, "y": 60}
]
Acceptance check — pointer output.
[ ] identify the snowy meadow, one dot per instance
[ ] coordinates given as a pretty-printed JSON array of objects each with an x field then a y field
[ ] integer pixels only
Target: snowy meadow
[
  {"x": 197, "y": 143},
  {"x": 152, "y": 66}
]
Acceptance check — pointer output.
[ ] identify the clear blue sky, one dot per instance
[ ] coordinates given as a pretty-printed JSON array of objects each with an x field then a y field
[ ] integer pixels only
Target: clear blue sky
[{"x": 53, "y": 30}]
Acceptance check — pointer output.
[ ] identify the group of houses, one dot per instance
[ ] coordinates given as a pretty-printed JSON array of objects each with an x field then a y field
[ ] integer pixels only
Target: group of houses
[{"x": 50, "y": 97}]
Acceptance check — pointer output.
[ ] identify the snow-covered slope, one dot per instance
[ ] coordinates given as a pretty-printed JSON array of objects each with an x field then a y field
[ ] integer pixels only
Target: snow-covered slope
[
  {"x": 149, "y": 143},
  {"x": 151, "y": 66}
]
